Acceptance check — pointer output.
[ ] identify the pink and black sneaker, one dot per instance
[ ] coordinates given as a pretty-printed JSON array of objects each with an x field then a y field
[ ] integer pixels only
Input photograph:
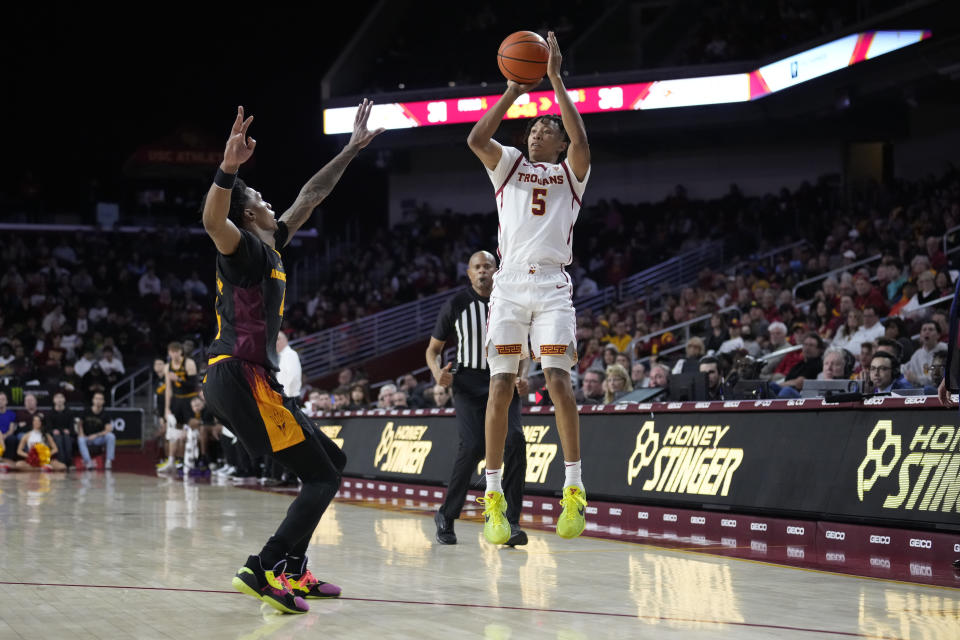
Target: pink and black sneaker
[
  {"x": 306, "y": 585},
  {"x": 270, "y": 586}
]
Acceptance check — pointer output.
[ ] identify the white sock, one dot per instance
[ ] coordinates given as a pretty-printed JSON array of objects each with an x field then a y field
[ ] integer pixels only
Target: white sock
[
  {"x": 493, "y": 479},
  {"x": 572, "y": 471}
]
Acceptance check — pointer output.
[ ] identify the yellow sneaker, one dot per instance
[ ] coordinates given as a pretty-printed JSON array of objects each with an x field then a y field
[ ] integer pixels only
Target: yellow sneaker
[
  {"x": 496, "y": 529},
  {"x": 572, "y": 521}
]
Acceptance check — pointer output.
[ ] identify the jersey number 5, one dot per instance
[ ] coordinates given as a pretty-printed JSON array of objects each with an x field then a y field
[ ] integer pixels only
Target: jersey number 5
[{"x": 539, "y": 202}]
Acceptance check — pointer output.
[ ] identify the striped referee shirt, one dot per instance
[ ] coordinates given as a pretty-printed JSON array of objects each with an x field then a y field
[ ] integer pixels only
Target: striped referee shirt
[{"x": 465, "y": 316}]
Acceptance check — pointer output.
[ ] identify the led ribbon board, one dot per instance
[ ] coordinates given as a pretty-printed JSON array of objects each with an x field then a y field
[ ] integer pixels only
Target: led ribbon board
[{"x": 659, "y": 94}]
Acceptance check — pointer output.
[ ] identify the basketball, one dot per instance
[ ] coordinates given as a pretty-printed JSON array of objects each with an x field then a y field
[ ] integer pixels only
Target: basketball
[{"x": 522, "y": 57}]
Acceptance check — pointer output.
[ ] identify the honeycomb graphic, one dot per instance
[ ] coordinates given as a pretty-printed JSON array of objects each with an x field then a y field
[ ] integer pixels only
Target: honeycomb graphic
[
  {"x": 648, "y": 441},
  {"x": 878, "y": 442}
]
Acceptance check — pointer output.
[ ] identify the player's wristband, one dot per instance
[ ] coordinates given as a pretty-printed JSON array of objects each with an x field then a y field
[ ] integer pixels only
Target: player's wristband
[{"x": 224, "y": 180}]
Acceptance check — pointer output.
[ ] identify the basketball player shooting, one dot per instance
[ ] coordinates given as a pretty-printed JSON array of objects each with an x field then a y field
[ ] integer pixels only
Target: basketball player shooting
[
  {"x": 241, "y": 386},
  {"x": 538, "y": 200}
]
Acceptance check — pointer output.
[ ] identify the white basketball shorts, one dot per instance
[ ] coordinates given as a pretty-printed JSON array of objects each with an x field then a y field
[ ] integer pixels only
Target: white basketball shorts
[{"x": 532, "y": 303}]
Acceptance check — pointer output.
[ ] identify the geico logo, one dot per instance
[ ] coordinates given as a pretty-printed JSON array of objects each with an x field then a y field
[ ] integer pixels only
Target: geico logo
[
  {"x": 758, "y": 526},
  {"x": 879, "y": 539},
  {"x": 702, "y": 405},
  {"x": 756, "y": 545},
  {"x": 836, "y": 535},
  {"x": 699, "y": 539},
  {"x": 795, "y": 552},
  {"x": 592, "y": 510},
  {"x": 727, "y": 522},
  {"x": 643, "y": 533},
  {"x": 914, "y": 400},
  {"x": 956, "y": 548},
  {"x": 674, "y": 405},
  {"x": 728, "y": 542},
  {"x": 698, "y": 520},
  {"x": 795, "y": 403},
  {"x": 834, "y": 556},
  {"x": 669, "y": 517},
  {"x": 883, "y": 563},
  {"x": 615, "y": 511},
  {"x": 643, "y": 515},
  {"x": 795, "y": 531},
  {"x": 763, "y": 403},
  {"x": 920, "y": 543},
  {"x": 920, "y": 569},
  {"x": 873, "y": 401},
  {"x": 731, "y": 404}
]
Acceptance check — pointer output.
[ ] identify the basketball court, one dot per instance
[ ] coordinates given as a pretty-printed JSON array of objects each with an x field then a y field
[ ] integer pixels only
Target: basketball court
[{"x": 118, "y": 555}]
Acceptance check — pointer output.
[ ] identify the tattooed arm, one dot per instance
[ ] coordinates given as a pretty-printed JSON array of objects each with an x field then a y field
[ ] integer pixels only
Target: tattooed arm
[{"x": 321, "y": 184}]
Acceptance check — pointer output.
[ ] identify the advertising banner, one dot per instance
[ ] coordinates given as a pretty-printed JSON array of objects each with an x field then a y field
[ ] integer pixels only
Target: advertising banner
[{"x": 890, "y": 466}]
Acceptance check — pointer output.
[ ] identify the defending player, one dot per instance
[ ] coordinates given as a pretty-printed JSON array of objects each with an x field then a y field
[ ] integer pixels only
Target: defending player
[
  {"x": 538, "y": 200},
  {"x": 241, "y": 388}
]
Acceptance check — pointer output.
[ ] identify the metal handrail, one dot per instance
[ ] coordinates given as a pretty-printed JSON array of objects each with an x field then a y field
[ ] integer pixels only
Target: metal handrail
[
  {"x": 827, "y": 274},
  {"x": 677, "y": 270},
  {"x": 674, "y": 328},
  {"x": 932, "y": 303},
  {"x": 128, "y": 381}
]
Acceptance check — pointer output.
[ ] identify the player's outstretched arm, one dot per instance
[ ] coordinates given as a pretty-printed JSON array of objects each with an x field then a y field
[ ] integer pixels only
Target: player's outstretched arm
[
  {"x": 481, "y": 140},
  {"x": 578, "y": 153},
  {"x": 321, "y": 184},
  {"x": 217, "y": 206}
]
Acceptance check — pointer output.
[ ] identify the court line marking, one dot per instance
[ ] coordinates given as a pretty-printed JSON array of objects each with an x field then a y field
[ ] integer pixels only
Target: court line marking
[{"x": 849, "y": 634}]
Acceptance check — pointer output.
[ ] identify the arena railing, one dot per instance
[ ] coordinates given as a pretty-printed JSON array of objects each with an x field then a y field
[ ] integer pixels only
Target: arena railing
[
  {"x": 124, "y": 393},
  {"x": 353, "y": 342},
  {"x": 823, "y": 276},
  {"x": 685, "y": 327}
]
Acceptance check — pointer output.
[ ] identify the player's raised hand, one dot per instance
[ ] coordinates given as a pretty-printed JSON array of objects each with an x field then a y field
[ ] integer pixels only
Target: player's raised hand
[
  {"x": 555, "y": 59},
  {"x": 361, "y": 135},
  {"x": 239, "y": 146},
  {"x": 521, "y": 89}
]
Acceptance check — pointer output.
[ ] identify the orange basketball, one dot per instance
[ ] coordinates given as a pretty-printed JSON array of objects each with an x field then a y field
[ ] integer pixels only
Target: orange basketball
[{"x": 523, "y": 57}]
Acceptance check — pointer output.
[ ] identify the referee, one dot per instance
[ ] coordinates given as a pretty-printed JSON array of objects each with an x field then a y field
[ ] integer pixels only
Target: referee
[{"x": 466, "y": 316}]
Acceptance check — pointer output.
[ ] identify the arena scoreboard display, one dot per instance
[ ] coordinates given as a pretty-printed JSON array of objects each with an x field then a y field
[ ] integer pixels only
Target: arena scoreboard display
[{"x": 658, "y": 94}]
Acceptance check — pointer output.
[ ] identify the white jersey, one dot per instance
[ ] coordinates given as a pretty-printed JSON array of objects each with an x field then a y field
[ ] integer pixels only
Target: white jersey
[{"x": 538, "y": 205}]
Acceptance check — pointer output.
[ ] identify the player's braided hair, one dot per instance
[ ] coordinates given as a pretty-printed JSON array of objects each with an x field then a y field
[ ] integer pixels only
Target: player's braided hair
[{"x": 557, "y": 120}]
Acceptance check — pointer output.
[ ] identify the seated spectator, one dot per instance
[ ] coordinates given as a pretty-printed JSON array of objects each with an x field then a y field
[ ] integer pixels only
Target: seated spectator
[
  {"x": 659, "y": 376},
  {"x": 927, "y": 293},
  {"x": 871, "y": 329},
  {"x": 400, "y": 400},
  {"x": 359, "y": 397},
  {"x": 441, "y": 397},
  {"x": 694, "y": 350},
  {"x": 638, "y": 376},
  {"x": 841, "y": 314},
  {"x": 837, "y": 364},
  {"x": 751, "y": 343},
  {"x": 385, "y": 396},
  {"x": 25, "y": 415},
  {"x": 619, "y": 338},
  {"x": 623, "y": 359},
  {"x": 61, "y": 423},
  {"x": 195, "y": 286},
  {"x": 846, "y": 336},
  {"x": 895, "y": 329},
  {"x": 591, "y": 351},
  {"x": 868, "y": 295},
  {"x": 84, "y": 363},
  {"x": 29, "y": 456},
  {"x": 592, "y": 388},
  {"x": 110, "y": 365},
  {"x": 820, "y": 320},
  {"x": 943, "y": 284},
  {"x": 710, "y": 365},
  {"x": 341, "y": 398},
  {"x": 95, "y": 429},
  {"x": 883, "y": 373},
  {"x": 908, "y": 296},
  {"x": 318, "y": 403},
  {"x": 917, "y": 369},
  {"x": 8, "y": 428},
  {"x": 409, "y": 385},
  {"x": 937, "y": 372},
  {"x": 608, "y": 358},
  {"x": 810, "y": 365},
  {"x": 718, "y": 333},
  {"x": 616, "y": 384},
  {"x": 345, "y": 377},
  {"x": 862, "y": 365},
  {"x": 734, "y": 342}
]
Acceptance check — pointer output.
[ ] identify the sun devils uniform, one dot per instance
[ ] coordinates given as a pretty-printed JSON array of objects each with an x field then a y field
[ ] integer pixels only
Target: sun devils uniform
[
  {"x": 184, "y": 390},
  {"x": 240, "y": 387},
  {"x": 538, "y": 205},
  {"x": 465, "y": 316}
]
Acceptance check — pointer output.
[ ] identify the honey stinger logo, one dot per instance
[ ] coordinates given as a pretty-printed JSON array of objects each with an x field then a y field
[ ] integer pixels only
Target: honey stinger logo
[
  {"x": 402, "y": 450},
  {"x": 332, "y": 431},
  {"x": 927, "y": 478},
  {"x": 690, "y": 461},
  {"x": 539, "y": 454}
]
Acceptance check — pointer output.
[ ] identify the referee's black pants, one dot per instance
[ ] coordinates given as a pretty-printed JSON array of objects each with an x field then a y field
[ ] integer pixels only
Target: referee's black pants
[{"x": 471, "y": 414}]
